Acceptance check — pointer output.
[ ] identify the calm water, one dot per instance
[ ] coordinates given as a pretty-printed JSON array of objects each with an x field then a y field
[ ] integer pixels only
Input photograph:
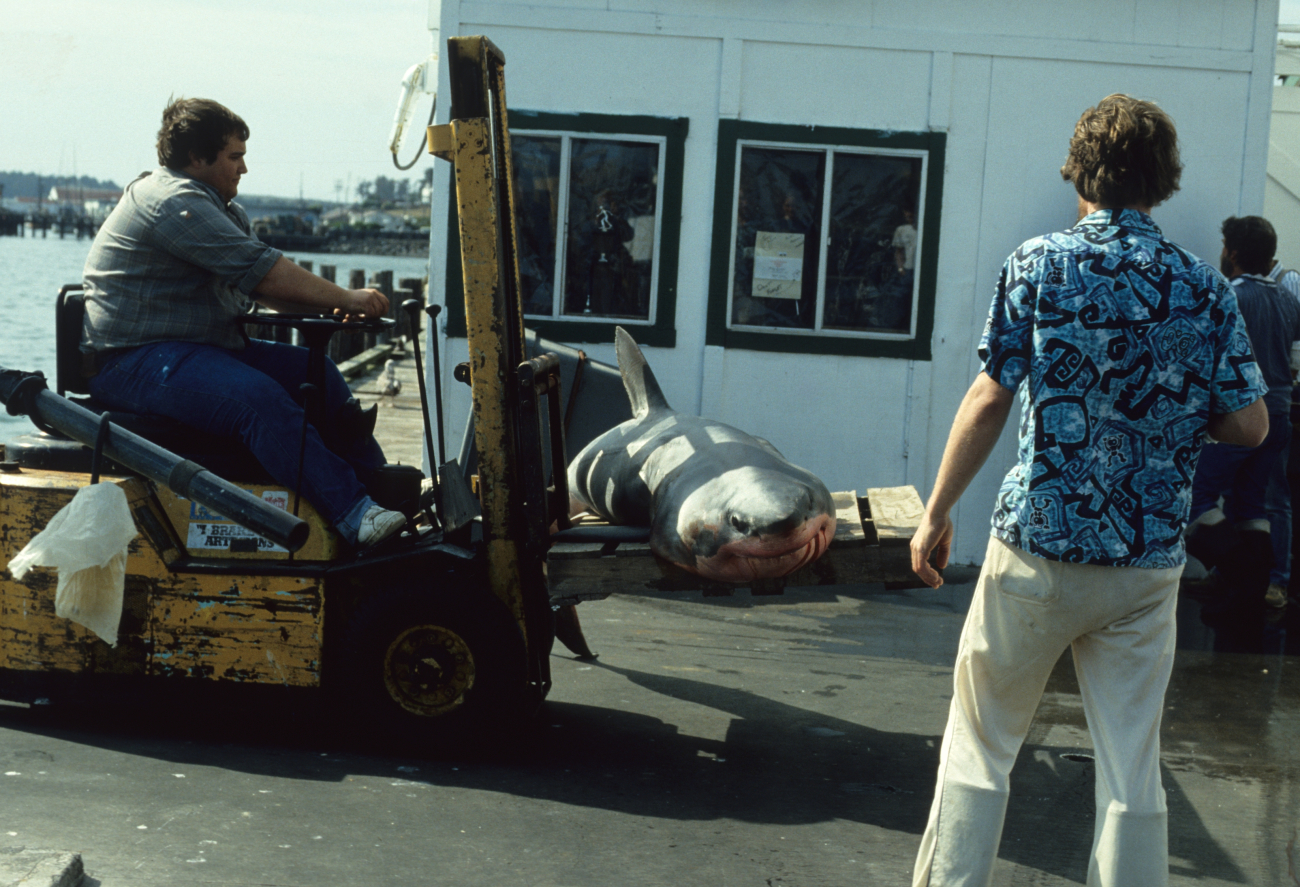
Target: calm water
[{"x": 32, "y": 269}]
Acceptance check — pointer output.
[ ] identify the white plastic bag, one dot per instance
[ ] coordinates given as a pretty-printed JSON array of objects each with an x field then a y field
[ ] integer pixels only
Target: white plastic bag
[{"x": 86, "y": 542}]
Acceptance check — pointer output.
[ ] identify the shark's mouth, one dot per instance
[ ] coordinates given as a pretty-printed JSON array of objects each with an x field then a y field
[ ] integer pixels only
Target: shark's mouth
[{"x": 768, "y": 557}]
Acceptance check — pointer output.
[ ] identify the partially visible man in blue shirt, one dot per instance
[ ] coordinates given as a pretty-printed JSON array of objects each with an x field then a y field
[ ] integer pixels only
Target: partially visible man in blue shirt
[
  {"x": 170, "y": 270},
  {"x": 1242, "y": 474},
  {"x": 1125, "y": 349},
  {"x": 1287, "y": 279}
]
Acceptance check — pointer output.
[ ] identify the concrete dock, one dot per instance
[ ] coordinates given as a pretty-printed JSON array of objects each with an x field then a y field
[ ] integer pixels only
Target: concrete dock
[
  {"x": 786, "y": 741},
  {"x": 399, "y": 427}
]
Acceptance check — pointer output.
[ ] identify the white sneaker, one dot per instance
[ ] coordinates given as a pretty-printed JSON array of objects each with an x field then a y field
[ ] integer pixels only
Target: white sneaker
[
  {"x": 377, "y": 524},
  {"x": 1275, "y": 596}
]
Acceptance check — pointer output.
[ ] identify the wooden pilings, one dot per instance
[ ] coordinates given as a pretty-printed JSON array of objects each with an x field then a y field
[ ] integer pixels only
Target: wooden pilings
[{"x": 14, "y": 224}]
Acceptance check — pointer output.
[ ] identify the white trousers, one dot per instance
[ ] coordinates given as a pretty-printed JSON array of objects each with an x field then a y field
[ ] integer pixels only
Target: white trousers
[{"x": 1119, "y": 622}]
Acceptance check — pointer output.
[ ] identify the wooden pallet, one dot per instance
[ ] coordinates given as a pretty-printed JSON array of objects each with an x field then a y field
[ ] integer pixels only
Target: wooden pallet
[{"x": 872, "y": 533}]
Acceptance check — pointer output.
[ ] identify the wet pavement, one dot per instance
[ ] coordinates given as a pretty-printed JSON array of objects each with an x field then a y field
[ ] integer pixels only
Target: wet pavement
[{"x": 783, "y": 741}]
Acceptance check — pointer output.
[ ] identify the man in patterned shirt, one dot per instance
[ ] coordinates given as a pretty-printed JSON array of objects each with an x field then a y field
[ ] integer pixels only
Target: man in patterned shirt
[
  {"x": 1126, "y": 350},
  {"x": 170, "y": 270}
]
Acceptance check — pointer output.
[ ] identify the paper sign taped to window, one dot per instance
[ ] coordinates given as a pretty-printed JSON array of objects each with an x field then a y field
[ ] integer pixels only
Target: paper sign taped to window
[
  {"x": 643, "y": 238},
  {"x": 778, "y": 265}
]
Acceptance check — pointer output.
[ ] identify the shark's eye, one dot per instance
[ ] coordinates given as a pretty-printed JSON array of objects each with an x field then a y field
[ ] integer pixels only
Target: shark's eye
[{"x": 739, "y": 524}]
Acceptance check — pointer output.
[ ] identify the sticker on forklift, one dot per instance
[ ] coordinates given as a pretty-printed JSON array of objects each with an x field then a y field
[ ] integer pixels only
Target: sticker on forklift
[{"x": 211, "y": 531}]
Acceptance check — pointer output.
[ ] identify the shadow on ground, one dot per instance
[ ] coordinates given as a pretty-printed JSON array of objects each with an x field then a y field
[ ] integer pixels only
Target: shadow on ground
[{"x": 778, "y": 764}]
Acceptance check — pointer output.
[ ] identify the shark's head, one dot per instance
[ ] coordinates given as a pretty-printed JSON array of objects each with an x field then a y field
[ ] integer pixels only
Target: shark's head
[{"x": 755, "y": 523}]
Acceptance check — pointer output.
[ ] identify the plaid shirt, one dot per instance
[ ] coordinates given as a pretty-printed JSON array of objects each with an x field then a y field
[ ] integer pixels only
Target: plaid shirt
[
  {"x": 172, "y": 262},
  {"x": 1122, "y": 344}
]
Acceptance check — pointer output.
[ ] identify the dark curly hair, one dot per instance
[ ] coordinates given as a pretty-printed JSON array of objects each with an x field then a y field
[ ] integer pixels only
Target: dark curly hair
[
  {"x": 1254, "y": 241},
  {"x": 198, "y": 127},
  {"x": 1124, "y": 153}
]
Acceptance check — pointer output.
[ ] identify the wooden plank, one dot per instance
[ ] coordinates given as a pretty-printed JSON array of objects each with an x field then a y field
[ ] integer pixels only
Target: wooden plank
[
  {"x": 868, "y": 525},
  {"x": 592, "y": 578},
  {"x": 848, "y": 520},
  {"x": 896, "y": 513}
]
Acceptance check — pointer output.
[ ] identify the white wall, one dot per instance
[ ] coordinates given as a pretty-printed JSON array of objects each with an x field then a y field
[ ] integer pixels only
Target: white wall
[
  {"x": 1005, "y": 81},
  {"x": 1282, "y": 194}
]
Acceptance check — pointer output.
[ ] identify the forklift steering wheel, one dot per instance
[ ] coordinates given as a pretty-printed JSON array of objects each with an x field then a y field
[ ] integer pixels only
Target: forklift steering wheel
[{"x": 329, "y": 323}]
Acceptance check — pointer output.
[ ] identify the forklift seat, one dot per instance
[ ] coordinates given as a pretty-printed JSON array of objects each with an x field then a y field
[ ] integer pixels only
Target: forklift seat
[{"x": 69, "y": 310}]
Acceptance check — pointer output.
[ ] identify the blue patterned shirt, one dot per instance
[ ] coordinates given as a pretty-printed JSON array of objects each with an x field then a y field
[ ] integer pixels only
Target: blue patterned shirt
[
  {"x": 172, "y": 262},
  {"x": 1125, "y": 344}
]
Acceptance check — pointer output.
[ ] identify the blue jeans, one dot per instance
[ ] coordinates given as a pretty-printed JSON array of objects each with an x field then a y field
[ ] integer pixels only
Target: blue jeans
[
  {"x": 248, "y": 395},
  {"x": 1241, "y": 475},
  {"x": 1277, "y": 501}
]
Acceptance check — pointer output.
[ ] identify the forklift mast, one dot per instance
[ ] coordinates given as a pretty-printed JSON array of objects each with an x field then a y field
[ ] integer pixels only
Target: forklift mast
[{"x": 506, "y": 387}]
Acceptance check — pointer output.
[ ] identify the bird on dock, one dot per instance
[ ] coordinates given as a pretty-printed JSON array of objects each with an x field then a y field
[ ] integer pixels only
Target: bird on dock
[{"x": 389, "y": 384}]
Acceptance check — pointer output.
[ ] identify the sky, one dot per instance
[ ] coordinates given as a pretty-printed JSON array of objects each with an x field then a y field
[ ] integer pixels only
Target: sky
[{"x": 83, "y": 84}]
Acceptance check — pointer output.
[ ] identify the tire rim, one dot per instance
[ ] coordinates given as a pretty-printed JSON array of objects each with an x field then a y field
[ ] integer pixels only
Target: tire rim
[{"x": 428, "y": 669}]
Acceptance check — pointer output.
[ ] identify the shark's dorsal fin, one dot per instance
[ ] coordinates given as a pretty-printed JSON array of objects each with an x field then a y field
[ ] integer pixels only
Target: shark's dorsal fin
[{"x": 642, "y": 388}]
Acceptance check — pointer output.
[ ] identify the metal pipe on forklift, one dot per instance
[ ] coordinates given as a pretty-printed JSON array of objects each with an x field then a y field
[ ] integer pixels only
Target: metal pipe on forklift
[{"x": 26, "y": 394}]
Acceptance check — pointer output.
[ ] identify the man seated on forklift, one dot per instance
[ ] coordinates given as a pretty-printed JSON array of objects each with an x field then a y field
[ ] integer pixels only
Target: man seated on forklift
[{"x": 170, "y": 270}]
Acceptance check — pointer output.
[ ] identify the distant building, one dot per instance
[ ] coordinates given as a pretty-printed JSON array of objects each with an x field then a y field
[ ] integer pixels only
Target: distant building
[
  {"x": 96, "y": 203},
  {"x": 374, "y": 218},
  {"x": 70, "y": 195}
]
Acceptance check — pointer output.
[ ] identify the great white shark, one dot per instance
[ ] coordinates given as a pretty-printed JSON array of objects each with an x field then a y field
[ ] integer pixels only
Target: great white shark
[{"x": 719, "y": 502}]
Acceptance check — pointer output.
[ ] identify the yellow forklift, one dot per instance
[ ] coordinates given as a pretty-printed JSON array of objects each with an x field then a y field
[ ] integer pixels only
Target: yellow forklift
[
  {"x": 434, "y": 635},
  {"x": 442, "y": 630}
]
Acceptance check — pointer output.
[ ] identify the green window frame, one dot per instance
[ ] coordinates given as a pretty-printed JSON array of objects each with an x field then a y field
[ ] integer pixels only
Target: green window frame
[
  {"x": 727, "y": 325},
  {"x": 660, "y": 329}
]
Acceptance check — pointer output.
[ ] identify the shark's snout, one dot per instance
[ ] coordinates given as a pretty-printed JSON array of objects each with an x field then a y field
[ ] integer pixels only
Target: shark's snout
[
  {"x": 752, "y": 523},
  {"x": 765, "y": 556}
]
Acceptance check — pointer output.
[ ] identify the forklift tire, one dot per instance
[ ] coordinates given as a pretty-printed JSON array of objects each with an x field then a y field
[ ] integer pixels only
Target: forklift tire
[{"x": 430, "y": 670}]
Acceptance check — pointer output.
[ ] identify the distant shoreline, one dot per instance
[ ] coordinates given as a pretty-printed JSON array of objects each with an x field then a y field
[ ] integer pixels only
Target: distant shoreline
[{"x": 381, "y": 246}]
